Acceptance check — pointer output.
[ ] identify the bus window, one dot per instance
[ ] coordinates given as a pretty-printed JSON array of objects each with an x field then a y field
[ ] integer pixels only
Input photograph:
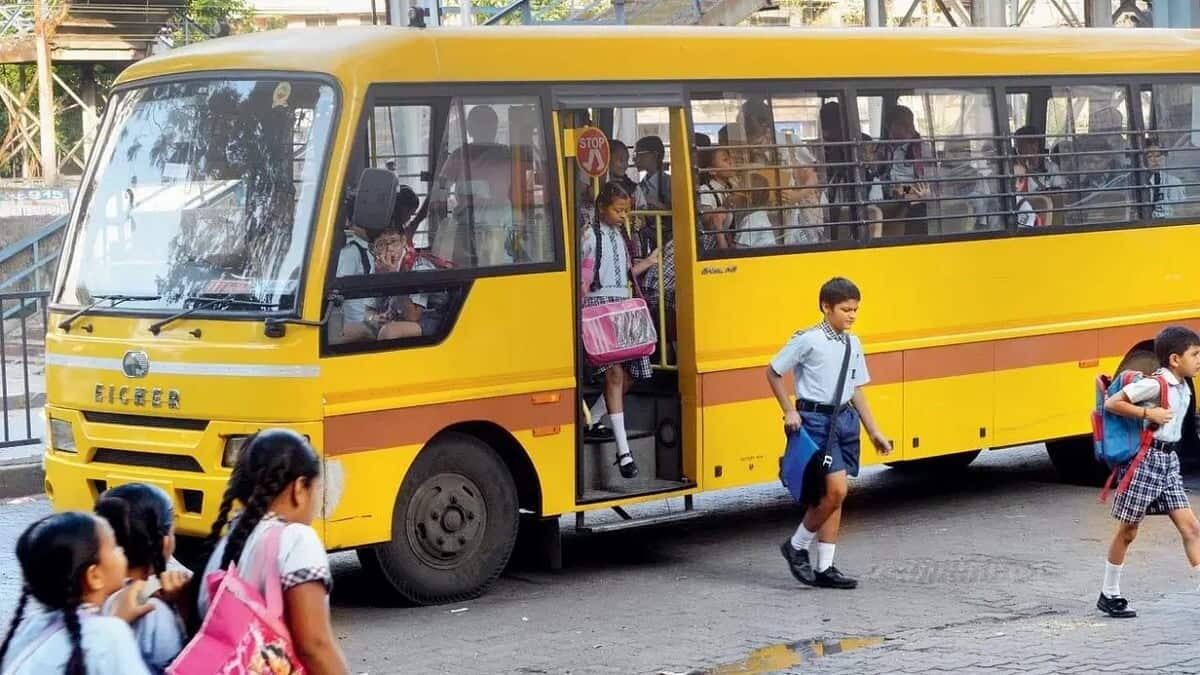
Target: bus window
[
  {"x": 1172, "y": 150},
  {"x": 777, "y": 170},
  {"x": 399, "y": 142},
  {"x": 1085, "y": 159},
  {"x": 488, "y": 203},
  {"x": 485, "y": 208},
  {"x": 935, "y": 166}
]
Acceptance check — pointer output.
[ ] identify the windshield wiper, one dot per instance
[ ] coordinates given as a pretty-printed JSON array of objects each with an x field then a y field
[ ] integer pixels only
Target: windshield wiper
[
  {"x": 206, "y": 303},
  {"x": 65, "y": 324}
]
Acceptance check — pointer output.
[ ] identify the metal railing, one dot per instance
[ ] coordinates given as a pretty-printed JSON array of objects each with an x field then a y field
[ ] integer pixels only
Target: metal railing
[
  {"x": 22, "y": 364},
  {"x": 637, "y": 221}
]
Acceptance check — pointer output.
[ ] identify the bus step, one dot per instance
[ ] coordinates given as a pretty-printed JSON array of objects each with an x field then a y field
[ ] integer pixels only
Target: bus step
[{"x": 627, "y": 524}]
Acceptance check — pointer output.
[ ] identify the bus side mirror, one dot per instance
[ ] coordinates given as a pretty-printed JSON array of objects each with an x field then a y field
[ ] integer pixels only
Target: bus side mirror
[{"x": 375, "y": 199}]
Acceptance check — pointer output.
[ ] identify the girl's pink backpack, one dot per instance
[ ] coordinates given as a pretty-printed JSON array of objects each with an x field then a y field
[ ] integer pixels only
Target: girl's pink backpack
[{"x": 243, "y": 634}]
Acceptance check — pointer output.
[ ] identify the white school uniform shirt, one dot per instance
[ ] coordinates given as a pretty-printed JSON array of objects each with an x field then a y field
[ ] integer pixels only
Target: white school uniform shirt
[
  {"x": 160, "y": 634},
  {"x": 1179, "y": 400},
  {"x": 755, "y": 231},
  {"x": 108, "y": 644},
  {"x": 301, "y": 559},
  {"x": 650, "y": 188},
  {"x": 1167, "y": 191},
  {"x": 1026, "y": 216},
  {"x": 815, "y": 358},
  {"x": 614, "y": 262},
  {"x": 350, "y": 263}
]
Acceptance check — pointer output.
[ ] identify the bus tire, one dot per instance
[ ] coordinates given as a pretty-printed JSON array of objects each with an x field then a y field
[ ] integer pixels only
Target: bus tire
[
  {"x": 1075, "y": 460},
  {"x": 454, "y": 525},
  {"x": 946, "y": 464}
]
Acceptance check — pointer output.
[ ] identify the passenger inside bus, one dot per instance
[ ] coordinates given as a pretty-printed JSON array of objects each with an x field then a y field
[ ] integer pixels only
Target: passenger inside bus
[
  {"x": 478, "y": 180},
  {"x": 716, "y": 181},
  {"x": 618, "y": 165},
  {"x": 1166, "y": 189},
  {"x": 654, "y": 190},
  {"x": 805, "y": 223},
  {"x": 757, "y": 229},
  {"x": 963, "y": 189},
  {"x": 1044, "y": 174},
  {"x": 905, "y": 171}
]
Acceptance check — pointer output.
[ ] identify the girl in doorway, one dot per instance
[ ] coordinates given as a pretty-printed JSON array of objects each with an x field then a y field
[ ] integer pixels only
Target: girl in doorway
[
  {"x": 609, "y": 269},
  {"x": 277, "y": 481},
  {"x": 70, "y": 564}
]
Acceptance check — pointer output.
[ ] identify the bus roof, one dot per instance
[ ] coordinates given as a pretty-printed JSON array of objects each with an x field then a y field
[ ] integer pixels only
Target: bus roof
[{"x": 358, "y": 56}]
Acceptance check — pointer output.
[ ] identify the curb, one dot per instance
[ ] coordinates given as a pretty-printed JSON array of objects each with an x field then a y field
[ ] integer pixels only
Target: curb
[{"x": 22, "y": 480}]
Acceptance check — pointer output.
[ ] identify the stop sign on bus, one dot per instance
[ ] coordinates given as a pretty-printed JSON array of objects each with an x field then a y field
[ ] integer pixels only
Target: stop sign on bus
[{"x": 591, "y": 152}]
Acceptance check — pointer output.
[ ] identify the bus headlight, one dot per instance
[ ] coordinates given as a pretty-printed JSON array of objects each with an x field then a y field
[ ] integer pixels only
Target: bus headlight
[
  {"x": 233, "y": 447},
  {"x": 62, "y": 436}
]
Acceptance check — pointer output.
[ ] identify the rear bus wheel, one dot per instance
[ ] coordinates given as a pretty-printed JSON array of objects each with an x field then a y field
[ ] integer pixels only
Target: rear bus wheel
[{"x": 454, "y": 525}]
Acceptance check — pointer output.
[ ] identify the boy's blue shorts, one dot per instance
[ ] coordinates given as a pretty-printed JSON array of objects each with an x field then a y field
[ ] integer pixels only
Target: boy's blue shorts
[{"x": 844, "y": 450}]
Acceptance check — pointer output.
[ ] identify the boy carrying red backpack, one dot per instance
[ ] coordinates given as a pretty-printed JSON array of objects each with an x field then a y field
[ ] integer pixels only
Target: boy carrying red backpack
[{"x": 1149, "y": 482}]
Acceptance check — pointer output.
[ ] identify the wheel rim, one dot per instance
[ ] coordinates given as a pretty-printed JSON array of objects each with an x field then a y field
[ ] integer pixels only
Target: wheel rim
[{"x": 446, "y": 520}]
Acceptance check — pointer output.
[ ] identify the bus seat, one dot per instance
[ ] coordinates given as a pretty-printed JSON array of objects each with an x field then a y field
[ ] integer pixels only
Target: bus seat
[
  {"x": 956, "y": 217},
  {"x": 1042, "y": 205}
]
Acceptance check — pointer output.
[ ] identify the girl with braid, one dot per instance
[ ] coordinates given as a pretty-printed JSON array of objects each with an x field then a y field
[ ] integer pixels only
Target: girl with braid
[
  {"x": 277, "y": 483},
  {"x": 71, "y": 564},
  {"x": 143, "y": 521}
]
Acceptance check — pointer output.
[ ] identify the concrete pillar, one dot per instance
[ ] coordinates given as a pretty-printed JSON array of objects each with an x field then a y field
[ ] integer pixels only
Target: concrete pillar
[
  {"x": 1098, "y": 13},
  {"x": 876, "y": 14},
  {"x": 990, "y": 13}
]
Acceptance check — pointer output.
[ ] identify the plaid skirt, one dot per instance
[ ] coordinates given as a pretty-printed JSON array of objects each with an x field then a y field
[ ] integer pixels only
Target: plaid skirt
[
  {"x": 639, "y": 368},
  {"x": 1156, "y": 488}
]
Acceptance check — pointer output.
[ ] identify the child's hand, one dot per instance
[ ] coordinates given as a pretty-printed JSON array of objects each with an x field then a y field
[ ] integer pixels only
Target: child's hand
[
  {"x": 791, "y": 421},
  {"x": 882, "y": 445},
  {"x": 1159, "y": 416},
  {"x": 126, "y": 605},
  {"x": 173, "y": 584}
]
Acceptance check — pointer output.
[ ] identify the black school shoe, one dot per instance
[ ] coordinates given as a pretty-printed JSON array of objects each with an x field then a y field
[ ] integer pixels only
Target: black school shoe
[
  {"x": 798, "y": 563},
  {"x": 598, "y": 432},
  {"x": 629, "y": 469},
  {"x": 1116, "y": 607},
  {"x": 833, "y": 578}
]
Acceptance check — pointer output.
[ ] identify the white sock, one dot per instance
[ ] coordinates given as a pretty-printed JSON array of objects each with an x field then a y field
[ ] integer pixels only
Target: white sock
[
  {"x": 803, "y": 538},
  {"x": 599, "y": 410},
  {"x": 824, "y": 555},
  {"x": 618, "y": 426},
  {"x": 1112, "y": 579}
]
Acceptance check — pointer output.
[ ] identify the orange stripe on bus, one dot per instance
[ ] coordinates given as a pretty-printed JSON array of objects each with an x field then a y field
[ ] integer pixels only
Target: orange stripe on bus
[
  {"x": 360, "y": 432},
  {"x": 1081, "y": 347}
]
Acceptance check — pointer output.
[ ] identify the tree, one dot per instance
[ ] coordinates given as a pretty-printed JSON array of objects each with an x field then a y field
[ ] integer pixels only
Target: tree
[{"x": 221, "y": 17}]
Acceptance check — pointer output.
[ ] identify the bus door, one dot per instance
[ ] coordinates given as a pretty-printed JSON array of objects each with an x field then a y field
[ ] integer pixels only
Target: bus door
[{"x": 626, "y": 137}]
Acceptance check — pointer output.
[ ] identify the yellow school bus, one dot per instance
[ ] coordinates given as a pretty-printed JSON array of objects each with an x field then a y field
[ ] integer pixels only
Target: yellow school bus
[{"x": 1009, "y": 203}]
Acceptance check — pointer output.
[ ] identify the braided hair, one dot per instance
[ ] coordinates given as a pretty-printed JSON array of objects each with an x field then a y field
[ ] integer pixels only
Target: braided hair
[
  {"x": 55, "y": 553},
  {"x": 270, "y": 461},
  {"x": 141, "y": 516}
]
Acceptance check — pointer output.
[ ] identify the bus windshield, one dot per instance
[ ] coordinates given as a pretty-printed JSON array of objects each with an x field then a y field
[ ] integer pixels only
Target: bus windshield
[{"x": 204, "y": 190}]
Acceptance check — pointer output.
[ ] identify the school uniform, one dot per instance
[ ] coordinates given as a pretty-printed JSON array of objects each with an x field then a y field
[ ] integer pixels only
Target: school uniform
[
  {"x": 354, "y": 260},
  {"x": 160, "y": 634},
  {"x": 614, "y": 286},
  {"x": 1165, "y": 190},
  {"x": 41, "y": 644},
  {"x": 1157, "y": 486},
  {"x": 301, "y": 559},
  {"x": 814, "y": 356}
]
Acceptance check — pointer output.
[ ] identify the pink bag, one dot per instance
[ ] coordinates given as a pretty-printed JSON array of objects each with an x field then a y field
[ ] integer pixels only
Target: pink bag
[
  {"x": 615, "y": 331},
  {"x": 243, "y": 634},
  {"x": 618, "y": 331}
]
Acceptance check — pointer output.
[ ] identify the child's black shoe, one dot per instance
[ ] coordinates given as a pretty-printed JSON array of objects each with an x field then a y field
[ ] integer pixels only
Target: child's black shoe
[
  {"x": 1116, "y": 607},
  {"x": 628, "y": 469},
  {"x": 798, "y": 563},
  {"x": 833, "y": 578}
]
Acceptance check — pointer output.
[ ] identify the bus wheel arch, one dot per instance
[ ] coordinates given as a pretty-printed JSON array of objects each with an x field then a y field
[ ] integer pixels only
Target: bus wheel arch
[
  {"x": 1074, "y": 458},
  {"x": 455, "y": 520}
]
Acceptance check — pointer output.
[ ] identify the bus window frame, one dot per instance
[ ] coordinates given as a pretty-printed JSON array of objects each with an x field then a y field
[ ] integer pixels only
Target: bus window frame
[
  {"x": 458, "y": 282},
  {"x": 319, "y": 200},
  {"x": 998, "y": 88}
]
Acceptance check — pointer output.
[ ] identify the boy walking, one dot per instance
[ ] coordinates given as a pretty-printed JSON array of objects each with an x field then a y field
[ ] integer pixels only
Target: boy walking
[
  {"x": 816, "y": 357},
  {"x": 1156, "y": 486}
]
